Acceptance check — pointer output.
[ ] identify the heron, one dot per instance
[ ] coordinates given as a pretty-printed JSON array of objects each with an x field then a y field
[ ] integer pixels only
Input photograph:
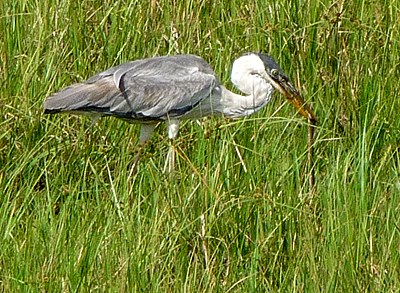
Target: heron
[{"x": 176, "y": 87}]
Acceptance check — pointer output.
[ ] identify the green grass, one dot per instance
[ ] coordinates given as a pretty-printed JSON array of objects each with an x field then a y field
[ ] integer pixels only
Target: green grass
[{"x": 238, "y": 215}]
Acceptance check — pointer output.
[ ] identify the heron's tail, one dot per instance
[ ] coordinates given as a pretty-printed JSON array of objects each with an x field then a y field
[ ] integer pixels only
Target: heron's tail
[{"x": 82, "y": 97}]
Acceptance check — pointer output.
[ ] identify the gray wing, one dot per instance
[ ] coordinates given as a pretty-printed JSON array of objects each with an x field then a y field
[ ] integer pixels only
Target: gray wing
[{"x": 151, "y": 89}]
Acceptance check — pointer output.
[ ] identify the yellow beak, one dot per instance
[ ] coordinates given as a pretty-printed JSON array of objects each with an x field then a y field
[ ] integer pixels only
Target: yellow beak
[
  {"x": 294, "y": 97},
  {"x": 291, "y": 93}
]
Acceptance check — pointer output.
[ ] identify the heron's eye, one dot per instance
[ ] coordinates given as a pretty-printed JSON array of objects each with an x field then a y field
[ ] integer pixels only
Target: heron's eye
[{"x": 274, "y": 72}]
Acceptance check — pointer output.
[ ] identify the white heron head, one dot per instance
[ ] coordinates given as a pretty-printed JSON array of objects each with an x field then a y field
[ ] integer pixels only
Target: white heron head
[{"x": 254, "y": 69}]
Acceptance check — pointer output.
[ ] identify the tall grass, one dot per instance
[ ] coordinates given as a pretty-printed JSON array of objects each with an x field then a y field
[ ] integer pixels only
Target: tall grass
[{"x": 238, "y": 214}]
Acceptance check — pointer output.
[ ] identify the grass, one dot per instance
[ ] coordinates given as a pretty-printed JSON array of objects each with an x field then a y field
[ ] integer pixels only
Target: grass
[{"x": 238, "y": 215}]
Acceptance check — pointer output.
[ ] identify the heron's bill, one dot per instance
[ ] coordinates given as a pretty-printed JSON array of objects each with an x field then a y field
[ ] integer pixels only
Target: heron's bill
[
  {"x": 293, "y": 96},
  {"x": 298, "y": 102}
]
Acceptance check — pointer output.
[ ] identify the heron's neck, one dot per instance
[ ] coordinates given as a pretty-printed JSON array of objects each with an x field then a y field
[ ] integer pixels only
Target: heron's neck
[{"x": 236, "y": 106}]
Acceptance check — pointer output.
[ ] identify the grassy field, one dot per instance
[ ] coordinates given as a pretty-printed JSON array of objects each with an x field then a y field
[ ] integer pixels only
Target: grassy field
[{"x": 238, "y": 215}]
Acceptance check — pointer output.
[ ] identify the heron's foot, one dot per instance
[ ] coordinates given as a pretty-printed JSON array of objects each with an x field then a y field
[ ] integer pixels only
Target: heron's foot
[
  {"x": 139, "y": 152},
  {"x": 135, "y": 165}
]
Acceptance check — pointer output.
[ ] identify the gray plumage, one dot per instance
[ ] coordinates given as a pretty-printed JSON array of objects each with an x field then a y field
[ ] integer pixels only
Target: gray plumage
[{"x": 142, "y": 90}]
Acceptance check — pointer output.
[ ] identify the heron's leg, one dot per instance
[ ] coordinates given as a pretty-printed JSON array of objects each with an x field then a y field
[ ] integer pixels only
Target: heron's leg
[
  {"x": 169, "y": 166},
  {"x": 172, "y": 128},
  {"x": 146, "y": 132}
]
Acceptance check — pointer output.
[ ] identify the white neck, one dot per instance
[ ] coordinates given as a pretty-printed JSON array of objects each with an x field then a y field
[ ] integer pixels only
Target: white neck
[
  {"x": 235, "y": 106},
  {"x": 232, "y": 105}
]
